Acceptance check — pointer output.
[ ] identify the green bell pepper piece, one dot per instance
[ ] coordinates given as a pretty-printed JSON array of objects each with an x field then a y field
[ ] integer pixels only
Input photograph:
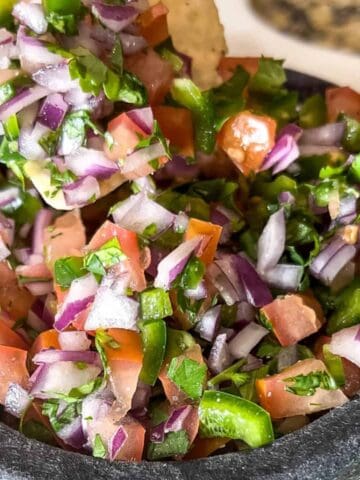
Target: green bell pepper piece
[
  {"x": 225, "y": 415},
  {"x": 64, "y": 7},
  {"x": 153, "y": 336},
  {"x": 155, "y": 304},
  {"x": 347, "y": 313}
]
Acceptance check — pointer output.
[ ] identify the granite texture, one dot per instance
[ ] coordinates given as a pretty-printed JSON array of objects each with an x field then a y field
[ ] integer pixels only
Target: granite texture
[{"x": 327, "y": 449}]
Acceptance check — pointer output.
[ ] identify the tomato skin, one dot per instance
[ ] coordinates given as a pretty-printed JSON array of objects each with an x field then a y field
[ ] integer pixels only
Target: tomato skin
[
  {"x": 212, "y": 233},
  {"x": 45, "y": 340},
  {"x": 129, "y": 243},
  {"x": 133, "y": 448},
  {"x": 280, "y": 403},
  {"x": 342, "y": 100},
  {"x": 247, "y": 139},
  {"x": 125, "y": 364},
  {"x": 294, "y": 317},
  {"x": 154, "y": 72},
  {"x": 153, "y": 24},
  {"x": 227, "y": 66},
  {"x": 12, "y": 369},
  {"x": 10, "y": 338},
  {"x": 177, "y": 126},
  {"x": 126, "y": 135},
  {"x": 15, "y": 300}
]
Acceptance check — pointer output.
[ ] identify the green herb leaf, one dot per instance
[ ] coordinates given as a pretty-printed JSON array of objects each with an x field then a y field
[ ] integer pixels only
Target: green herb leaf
[
  {"x": 58, "y": 179},
  {"x": 99, "y": 447},
  {"x": 155, "y": 137},
  {"x": 306, "y": 385},
  {"x": 248, "y": 390},
  {"x": 231, "y": 374},
  {"x": 335, "y": 366},
  {"x": 10, "y": 157},
  {"x": 188, "y": 375},
  {"x": 58, "y": 422},
  {"x": 67, "y": 270},
  {"x": 108, "y": 255},
  {"x": 187, "y": 94},
  {"x": 155, "y": 304},
  {"x": 175, "y": 443}
]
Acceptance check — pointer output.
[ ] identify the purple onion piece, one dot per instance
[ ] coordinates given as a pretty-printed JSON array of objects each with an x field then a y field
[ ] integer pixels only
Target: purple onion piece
[
  {"x": 74, "y": 341},
  {"x": 42, "y": 221},
  {"x": 337, "y": 263},
  {"x": 73, "y": 434},
  {"x": 322, "y": 259},
  {"x": 8, "y": 196},
  {"x": 53, "y": 111},
  {"x": 284, "y": 153},
  {"x": 114, "y": 17},
  {"x": 22, "y": 100},
  {"x": 209, "y": 324},
  {"x": 178, "y": 168},
  {"x": 283, "y": 276},
  {"x": 143, "y": 118},
  {"x": 140, "y": 158},
  {"x": 174, "y": 263},
  {"x": 220, "y": 356},
  {"x": 116, "y": 442},
  {"x": 328, "y": 135},
  {"x": 271, "y": 244},
  {"x": 52, "y": 356},
  {"x": 222, "y": 283},
  {"x": 29, "y": 146},
  {"x": 293, "y": 130},
  {"x": 286, "y": 198},
  {"x": 176, "y": 420},
  {"x": 55, "y": 78},
  {"x": 87, "y": 162},
  {"x": 81, "y": 192},
  {"x": 346, "y": 344},
  {"x": 32, "y": 15},
  {"x": 141, "y": 396},
  {"x": 157, "y": 433},
  {"x": 17, "y": 400},
  {"x": 242, "y": 344}
]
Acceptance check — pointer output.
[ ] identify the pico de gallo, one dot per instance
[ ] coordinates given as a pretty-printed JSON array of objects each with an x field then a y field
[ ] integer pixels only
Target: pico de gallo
[{"x": 179, "y": 269}]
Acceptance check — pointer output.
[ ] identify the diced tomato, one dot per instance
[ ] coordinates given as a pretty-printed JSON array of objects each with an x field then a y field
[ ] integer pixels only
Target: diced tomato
[
  {"x": 191, "y": 424},
  {"x": 44, "y": 341},
  {"x": 12, "y": 369},
  {"x": 342, "y": 100},
  {"x": 247, "y": 139},
  {"x": 294, "y": 317},
  {"x": 10, "y": 338},
  {"x": 66, "y": 237},
  {"x": 155, "y": 73},
  {"x": 172, "y": 392},
  {"x": 80, "y": 319},
  {"x": 132, "y": 449},
  {"x": 60, "y": 293},
  {"x": 130, "y": 246},
  {"x": 203, "y": 447},
  {"x": 125, "y": 364},
  {"x": 9, "y": 74},
  {"x": 126, "y": 135},
  {"x": 227, "y": 66},
  {"x": 280, "y": 403},
  {"x": 153, "y": 24},
  {"x": 212, "y": 235},
  {"x": 351, "y": 371},
  {"x": 176, "y": 124},
  {"x": 15, "y": 300}
]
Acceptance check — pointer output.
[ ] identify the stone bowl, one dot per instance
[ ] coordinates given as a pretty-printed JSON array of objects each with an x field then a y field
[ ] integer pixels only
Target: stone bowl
[{"x": 327, "y": 449}]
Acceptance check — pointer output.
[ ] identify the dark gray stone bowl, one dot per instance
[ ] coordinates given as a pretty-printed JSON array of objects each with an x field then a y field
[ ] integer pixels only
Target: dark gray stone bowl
[{"x": 327, "y": 449}]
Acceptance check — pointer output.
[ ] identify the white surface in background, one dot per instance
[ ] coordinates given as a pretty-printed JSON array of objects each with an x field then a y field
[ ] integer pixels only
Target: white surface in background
[{"x": 248, "y": 35}]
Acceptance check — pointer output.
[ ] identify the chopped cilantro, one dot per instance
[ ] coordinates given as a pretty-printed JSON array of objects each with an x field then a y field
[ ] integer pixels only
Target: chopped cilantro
[
  {"x": 306, "y": 385},
  {"x": 188, "y": 375},
  {"x": 99, "y": 447},
  {"x": 175, "y": 443},
  {"x": 67, "y": 269},
  {"x": 269, "y": 78},
  {"x": 58, "y": 422},
  {"x": 232, "y": 373},
  {"x": 108, "y": 255},
  {"x": 313, "y": 112}
]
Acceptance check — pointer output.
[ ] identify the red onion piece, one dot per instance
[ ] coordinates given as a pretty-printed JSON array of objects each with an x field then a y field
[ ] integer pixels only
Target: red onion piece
[
  {"x": 178, "y": 168},
  {"x": 291, "y": 129},
  {"x": 59, "y": 378},
  {"x": 116, "y": 442},
  {"x": 8, "y": 196},
  {"x": 141, "y": 396},
  {"x": 137, "y": 163},
  {"x": 33, "y": 53},
  {"x": 7, "y": 229},
  {"x": 222, "y": 283},
  {"x": 326, "y": 135},
  {"x": 197, "y": 293},
  {"x": 22, "y": 255},
  {"x": 284, "y": 153},
  {"x": 53, "y": 356},
  {"x": 79, "y": 193},
  {"x": 309, "y": 150},
  {"x": 252, "y": 363},
  {"x": 220, "y": 356},
  {"x": 271, "y": 243},
  {"x": 17, "y": 400},
  {"x": 225, "y": 218},
  {"x": 228, "y": 267},
  {"x": 157, "y": 433},
  {"x": 87, "y": 162},
  {"x": 137, "y": 212},
  {"x": 73, "y": 434},
  {"x": 346, "y": 343},
  {"x": 157, "y": 255},
  {"x": 209, "y": 324},
  {"x": 332, "y": 258},
  {"x": 242, "y": 344},
  {"x": 114, "y": 17},
  {"x": 32, "y": 15},
  {"x": 146, "y": 185},
  {"x": 347, "y": 210},
  {"x": 132, "y": 44},
  {"x": 29, "y": 146},
  {"x": 176, "y": 420},
  {"x": 111, "y": 310},
  {"x": 245, "y": 312},
  {"x": 81, "y": 294},
  {"x": 174, "y": 263},
  {"x": 4, "y": 251},
  {"x": 53, "y": 111},
  {"x": 286, "y": 198},
  {"x": 284, "y": 276},
  {"x": 143, "y": 118},
  {"x": 55, "y": 78},
  {"x": 256, "y": 291},
  {"x": 74, "y": 341},
  {"x": 39, "y": 288},
  {"x": 23, "y": 99}
]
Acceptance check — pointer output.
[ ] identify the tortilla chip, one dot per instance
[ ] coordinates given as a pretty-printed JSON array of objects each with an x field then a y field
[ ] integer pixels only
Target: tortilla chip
[{"x": 196, "y": 31}]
